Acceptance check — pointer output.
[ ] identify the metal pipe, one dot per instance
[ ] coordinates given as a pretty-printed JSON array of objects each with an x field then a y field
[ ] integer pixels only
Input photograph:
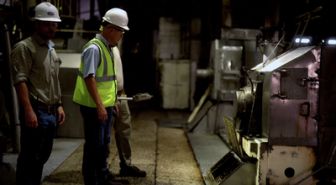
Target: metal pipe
[
  {"x": 124, "y": 98},
  {"x": 76, "y": 31},
  {"x": 15, "y": 106},
  {"x": 204, "y": 73}
]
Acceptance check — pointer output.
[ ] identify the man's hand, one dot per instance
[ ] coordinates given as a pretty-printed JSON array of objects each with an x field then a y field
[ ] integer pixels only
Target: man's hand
[
  {"x": 61, "y": 115},
  {"x": 102, "y": 113},
  {"x": 30, "y": 118}
]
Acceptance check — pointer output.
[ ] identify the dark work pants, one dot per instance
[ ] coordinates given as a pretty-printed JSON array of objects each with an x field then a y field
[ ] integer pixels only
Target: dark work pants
[
  {"x": 35, "y": 148},
  {"x": 96, "y": 147}
]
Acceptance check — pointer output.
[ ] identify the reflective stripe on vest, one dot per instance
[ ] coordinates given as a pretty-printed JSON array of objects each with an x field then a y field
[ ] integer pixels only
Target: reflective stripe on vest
[
  {"x": 100, "y": 79},
  {"x": 105, "y": 78}
]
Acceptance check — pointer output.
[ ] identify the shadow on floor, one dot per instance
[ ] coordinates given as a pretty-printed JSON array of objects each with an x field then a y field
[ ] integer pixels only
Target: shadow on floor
[{"x": 72, "y": 176}]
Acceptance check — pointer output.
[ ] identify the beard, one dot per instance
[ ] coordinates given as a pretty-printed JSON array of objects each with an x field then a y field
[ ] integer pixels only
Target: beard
[{"x": 47, "y": 35}]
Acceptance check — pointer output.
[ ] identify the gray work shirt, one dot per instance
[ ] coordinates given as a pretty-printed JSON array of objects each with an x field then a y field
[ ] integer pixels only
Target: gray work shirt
[{"x": 35, "y": 62}]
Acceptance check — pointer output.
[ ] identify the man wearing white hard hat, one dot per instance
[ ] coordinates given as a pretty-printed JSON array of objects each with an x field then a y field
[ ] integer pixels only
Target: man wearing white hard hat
[
  {"x": 96, "y": 94},
  {"x": 35, "y": 74}
]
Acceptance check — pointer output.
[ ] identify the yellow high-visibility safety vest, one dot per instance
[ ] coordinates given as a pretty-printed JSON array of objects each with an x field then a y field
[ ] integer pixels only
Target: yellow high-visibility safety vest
[{"x": 105, "y": 77}]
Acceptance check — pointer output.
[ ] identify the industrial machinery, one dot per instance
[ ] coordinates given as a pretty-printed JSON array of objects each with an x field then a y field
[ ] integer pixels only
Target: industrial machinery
[
  {"x": 272, "y": 116},
  {"x": 276, "y": 121}
]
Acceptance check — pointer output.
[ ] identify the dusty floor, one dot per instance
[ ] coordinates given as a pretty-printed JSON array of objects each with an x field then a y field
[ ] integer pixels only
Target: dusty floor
[{"x": 160, "y": 147}]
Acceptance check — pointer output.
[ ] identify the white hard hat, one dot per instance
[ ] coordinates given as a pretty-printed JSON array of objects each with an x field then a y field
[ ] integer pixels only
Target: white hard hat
[
  {"x": 117, "y": 17},
  {"x": 45, "y": 11}
]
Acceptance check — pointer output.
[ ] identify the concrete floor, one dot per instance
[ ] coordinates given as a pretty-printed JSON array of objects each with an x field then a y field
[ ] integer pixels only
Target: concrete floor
[{"x": 160, "y": 147}]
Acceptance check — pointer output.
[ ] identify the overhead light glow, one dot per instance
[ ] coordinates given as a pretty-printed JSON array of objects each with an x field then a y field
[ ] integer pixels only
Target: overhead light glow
[
  {"x": 302, "y": 40},
  {"x": 331, "y": 42},
  {"x": 305, "y": 40}
]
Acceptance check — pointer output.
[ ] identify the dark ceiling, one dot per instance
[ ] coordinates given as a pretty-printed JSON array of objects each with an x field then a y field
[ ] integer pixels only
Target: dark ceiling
[
  {"x": 281, "y": 14},
  {"x": 307, "y": 17}
]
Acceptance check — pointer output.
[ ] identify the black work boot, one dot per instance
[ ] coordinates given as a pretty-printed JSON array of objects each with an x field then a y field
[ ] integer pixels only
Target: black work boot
[
  {"x": 112, "y": 183},
  {"x": 111, "y": 180},
  {"x": 131, "y": 171}
]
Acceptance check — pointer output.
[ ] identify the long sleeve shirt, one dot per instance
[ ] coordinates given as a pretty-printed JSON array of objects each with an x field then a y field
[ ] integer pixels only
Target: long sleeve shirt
[
  {"x": 118, "y": 67},
  {"x": 35, "y": 62}
]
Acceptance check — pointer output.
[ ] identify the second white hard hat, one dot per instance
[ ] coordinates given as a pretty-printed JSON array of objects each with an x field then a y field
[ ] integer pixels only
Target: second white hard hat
[
  {"x": 117, "y": 17},
  {"x": 45, "y": 11}
]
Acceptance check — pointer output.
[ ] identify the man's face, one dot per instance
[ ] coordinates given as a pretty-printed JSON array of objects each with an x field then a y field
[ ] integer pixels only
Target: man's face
[
  {"x": 46, "y": 29},
  {"x": 115, "y": 34}
]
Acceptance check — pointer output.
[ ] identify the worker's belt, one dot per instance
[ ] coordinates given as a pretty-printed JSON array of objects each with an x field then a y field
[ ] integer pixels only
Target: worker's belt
[{"x": 51, "y": 109}]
